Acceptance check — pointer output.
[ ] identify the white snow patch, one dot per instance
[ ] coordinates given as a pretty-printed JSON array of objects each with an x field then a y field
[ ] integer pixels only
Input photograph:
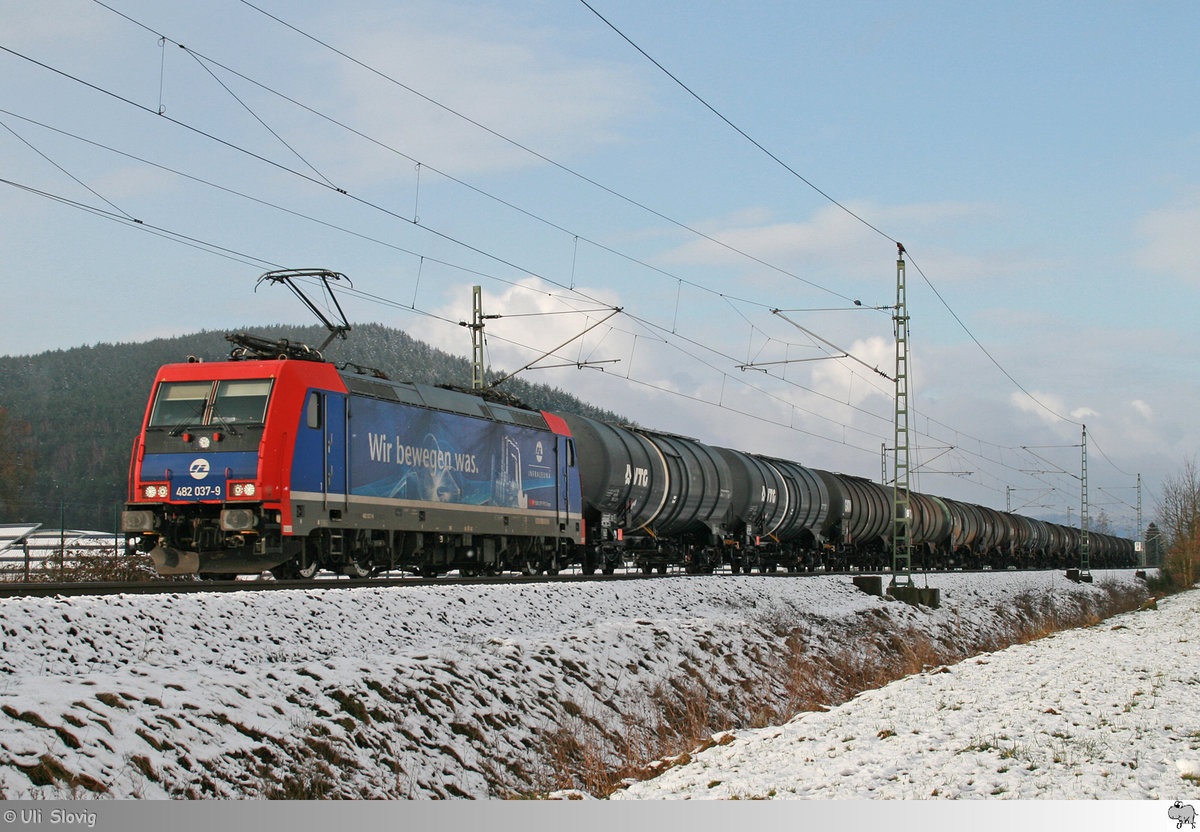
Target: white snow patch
[{"x": 1101, "y": 712}]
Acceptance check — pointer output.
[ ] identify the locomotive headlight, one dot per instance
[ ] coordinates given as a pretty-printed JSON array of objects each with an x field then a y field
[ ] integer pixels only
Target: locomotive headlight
[
  {"x": 155, "y": 491},
  {"x": 242, "y": 490},
  {"x": 137, "y": 521},
  {"x": 151, "y": 490},
  {"x": 204, "y": 442},
  {"x": 161, "y": 492},
  {"x": 237, "y": 520}
]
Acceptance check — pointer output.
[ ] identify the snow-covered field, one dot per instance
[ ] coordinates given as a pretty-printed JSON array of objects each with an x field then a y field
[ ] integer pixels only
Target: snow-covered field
[
  {"x": 456, "y": 691},
  {"x": 1110, "y": 711}
]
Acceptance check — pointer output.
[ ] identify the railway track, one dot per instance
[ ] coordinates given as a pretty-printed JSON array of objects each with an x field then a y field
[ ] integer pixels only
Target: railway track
[
  {"x": 48, "y": 590},
  {"x": 182, "y": 587}
]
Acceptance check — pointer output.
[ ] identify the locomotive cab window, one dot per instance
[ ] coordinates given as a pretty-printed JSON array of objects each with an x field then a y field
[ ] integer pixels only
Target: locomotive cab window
[
  {"x": 179, "y": 403},
  {"x": 243, "y": 401},
  {"x": 194, "y": 403}
]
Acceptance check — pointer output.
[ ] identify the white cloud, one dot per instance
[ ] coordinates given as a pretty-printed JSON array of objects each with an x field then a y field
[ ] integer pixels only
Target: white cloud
[
  {"x": 1144, "y": 410},
  {"x": 830, "y": 234},
  {"x": 850, "y": 381},
  {"x": 493, "y": 68},
  {"x": 534, "y": 318},
  {"x": 832, "y": 241},
  {"x": 1171, "y": 244},
  {"x": 1045, "y": 406}
]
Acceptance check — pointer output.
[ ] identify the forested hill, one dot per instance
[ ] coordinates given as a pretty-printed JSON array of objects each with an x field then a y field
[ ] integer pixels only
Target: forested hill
[{"x": 75, "y": 413}]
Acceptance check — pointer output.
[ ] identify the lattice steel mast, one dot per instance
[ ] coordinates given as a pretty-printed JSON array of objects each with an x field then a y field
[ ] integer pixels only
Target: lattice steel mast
[
  {"x": 1141, "y": 538},
  {"x": 902, "y": 507},
  {"x": 1085, "y": 566}
]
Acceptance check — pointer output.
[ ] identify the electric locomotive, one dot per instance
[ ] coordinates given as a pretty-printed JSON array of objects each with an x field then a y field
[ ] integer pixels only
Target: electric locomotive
[{"x": 270, "y": 461}]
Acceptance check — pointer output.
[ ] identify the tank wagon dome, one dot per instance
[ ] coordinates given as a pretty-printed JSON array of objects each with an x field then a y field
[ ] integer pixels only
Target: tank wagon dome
[
  {"x": 620, "y": 471},
  {"x": 931, "y": 520},
  {"x": 759, "y": 493},
  {"x": 698, "y": 491}
]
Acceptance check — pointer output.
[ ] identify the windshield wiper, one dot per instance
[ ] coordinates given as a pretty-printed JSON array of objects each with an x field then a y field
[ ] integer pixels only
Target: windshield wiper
[
  {"x": 214, "y": 415},
  {"x": 190, "y": 421}
]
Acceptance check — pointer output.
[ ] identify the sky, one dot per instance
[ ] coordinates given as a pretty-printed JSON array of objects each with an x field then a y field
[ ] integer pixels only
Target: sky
[{"x": 1037, "y": 162}]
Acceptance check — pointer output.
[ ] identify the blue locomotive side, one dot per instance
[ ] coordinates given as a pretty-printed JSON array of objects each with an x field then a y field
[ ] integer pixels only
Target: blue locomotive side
[
  {"x": 439, "y": 462},
  {"x": 431, "y": 456}
]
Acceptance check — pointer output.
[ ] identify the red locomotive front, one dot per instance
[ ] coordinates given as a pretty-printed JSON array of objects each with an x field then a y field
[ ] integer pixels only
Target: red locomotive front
[{"x": 209, "y": 475}]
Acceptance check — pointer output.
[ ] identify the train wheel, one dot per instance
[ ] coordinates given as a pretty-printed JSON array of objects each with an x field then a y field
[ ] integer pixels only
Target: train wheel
[
  {"x": 357, "y": 568},
  {"x": 308, "y": 570}
]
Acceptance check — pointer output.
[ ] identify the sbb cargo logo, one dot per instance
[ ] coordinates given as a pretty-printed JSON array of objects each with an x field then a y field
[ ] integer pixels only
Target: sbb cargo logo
[{"x": 199, "y": 468}]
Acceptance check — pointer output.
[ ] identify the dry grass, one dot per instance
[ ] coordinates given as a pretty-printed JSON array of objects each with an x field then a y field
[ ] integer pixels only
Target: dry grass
[
  {"x": 84, "y": 566},
  {"x": 685, "y": 714}
]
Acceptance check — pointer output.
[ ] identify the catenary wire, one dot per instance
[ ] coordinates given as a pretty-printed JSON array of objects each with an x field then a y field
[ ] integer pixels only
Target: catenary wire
[
  {"x": 206, "y": 61},
  {"x": 1105, "y": 455},
  {"x": 529, "y": 150},
  {"x": 843, "y": 207},
  {"x": 526, "y": 149}
]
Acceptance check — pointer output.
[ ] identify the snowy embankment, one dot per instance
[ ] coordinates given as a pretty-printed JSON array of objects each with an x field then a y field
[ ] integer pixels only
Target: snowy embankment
[
  {"x": 1110, "y": 711},
  {"x": 487, "y": 691}
]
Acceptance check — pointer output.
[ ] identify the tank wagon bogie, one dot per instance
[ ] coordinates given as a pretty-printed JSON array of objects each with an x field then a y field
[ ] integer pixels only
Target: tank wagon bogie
[{"x": 295, "y": 466}]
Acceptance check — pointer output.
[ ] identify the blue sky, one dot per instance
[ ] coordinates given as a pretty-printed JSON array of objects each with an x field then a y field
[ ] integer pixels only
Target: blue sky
[{"x": 1038, "y": 161}]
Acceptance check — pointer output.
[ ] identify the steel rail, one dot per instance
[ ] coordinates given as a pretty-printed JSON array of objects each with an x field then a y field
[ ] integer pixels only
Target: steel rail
[{"x": 14, "y": 589}]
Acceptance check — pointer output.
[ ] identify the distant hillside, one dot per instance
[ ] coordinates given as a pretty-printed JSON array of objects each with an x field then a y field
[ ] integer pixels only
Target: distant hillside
[{"x": 83, "y": 407}]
